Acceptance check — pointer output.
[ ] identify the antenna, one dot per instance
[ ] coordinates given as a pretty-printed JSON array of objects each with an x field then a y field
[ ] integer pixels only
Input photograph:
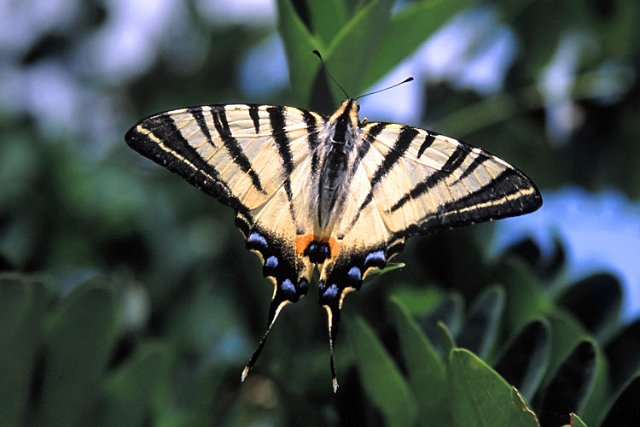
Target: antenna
[
  {"x": 407, "y": 80},
  {"x": 333, "y": 79}
]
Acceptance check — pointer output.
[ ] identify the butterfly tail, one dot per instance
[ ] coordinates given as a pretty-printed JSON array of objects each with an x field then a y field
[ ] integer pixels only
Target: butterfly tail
[
  {"x": 285, "y": 292},
  {"x": 275, "y": 309},
  {"x": 333, "y": 324}
]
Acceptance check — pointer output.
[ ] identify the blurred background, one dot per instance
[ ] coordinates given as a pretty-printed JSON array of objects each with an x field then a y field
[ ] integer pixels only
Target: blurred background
[{"x": 553, "y": 90}]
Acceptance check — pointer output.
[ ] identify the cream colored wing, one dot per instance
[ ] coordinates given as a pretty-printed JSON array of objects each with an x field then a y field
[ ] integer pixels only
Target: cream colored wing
[
  {"x": 421, "y": 182},
  {"x": 257, "y": 159},
  {"x": 410, "y": 181}
]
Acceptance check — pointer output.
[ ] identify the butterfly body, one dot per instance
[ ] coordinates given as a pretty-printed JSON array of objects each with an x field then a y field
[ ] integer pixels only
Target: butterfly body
[{"x": 333, "y": 193}]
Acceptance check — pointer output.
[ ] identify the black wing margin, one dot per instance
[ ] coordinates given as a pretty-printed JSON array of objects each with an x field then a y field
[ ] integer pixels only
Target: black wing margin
[{"x": 159, "y": 139}]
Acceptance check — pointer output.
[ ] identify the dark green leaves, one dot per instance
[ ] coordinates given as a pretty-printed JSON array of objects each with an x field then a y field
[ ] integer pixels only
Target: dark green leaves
[
  {"x": 55, "y": 358},
  {"x": 130, "y": 392},
  {"x": 406, "y": 31},
  {"x": 480, "y": 329},
  {"x": 624, "y": 411},
  {"x": 358, "y": 46},
  {"x": 571, "y": 385},
  {"x": 380, "y": 376},
  {"x": 526, "y": 358},
  {"x": 481, "y": 397},
  {"x": 426, "y": 371},
  {"x": 548, "y": 366},
  {"x": 79, "y": 338},
  {"x": 455, "y": 388},
  {"x": 22, "y": 307}
]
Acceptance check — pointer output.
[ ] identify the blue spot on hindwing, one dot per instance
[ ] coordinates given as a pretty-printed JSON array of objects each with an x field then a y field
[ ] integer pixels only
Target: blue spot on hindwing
[
  {"x": 271, "y": 262},
  {"x": 354, "y": 274},
  {"x": 375, "y": 258},
  {"x": 303, "y": 286},
  {"x": 287, "y": 287},
  {"x": 331, "y": 291},
  {"x": 257, "y": 239}
]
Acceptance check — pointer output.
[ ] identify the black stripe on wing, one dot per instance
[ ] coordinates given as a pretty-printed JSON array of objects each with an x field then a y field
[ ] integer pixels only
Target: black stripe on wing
[
  {"x": 234, "y": 148},
  {"x": 202, "y": 123},
  {"x": 428, "y": 140},
  {"x": 400, "y": 146},
  {"x": 475, "y": 164},
  {"x": 279, "y": 133},
  {"x": 367, "y": 141},
  {"x": 158, "y": 139},
  {"x": 254, "y": 113},
  {"x": 509, "y": 194},
  {"x": 312, "y": 140},
  {"x": 451, "y": 165}
]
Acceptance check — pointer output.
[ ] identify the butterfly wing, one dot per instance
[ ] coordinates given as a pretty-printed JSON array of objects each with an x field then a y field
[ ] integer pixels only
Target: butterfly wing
[
  {"x": 410, "y": 181},
  {"x": 422, "y": 182},
  {"x": 255, "y": 159}
]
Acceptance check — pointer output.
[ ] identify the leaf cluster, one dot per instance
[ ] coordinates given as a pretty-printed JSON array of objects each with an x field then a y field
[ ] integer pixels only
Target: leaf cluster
[{"x": 530, "y": 351}]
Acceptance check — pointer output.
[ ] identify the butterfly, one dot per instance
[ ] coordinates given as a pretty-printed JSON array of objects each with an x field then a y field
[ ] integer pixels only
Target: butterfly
[{"x": 337, "y": 194}]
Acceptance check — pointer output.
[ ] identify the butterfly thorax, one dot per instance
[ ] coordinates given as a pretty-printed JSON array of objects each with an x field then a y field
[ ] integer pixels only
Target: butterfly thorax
[{"x": 339, "y": 153}]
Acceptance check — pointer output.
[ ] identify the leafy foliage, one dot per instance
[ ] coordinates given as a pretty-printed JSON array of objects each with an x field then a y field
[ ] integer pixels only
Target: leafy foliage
[{"x": 454, "y": 383}]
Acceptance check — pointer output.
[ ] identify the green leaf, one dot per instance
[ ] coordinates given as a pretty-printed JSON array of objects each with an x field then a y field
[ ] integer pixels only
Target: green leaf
[
  {"x": 624, "y": 411},
  {"x": 571, "y": 385},
  {"x": 328, "y": 17},
  {"x": 22, "y": 307},
  {"x": 79, "y": 339},
  {"x": 419, "y": 300},
  {"x": 389, "y": 267},
  {"x": 523, "y": 415},
  {"x": 480, "y": 397},
  {"x": 566, "y": 333},
  {"x": 525, "y": 359},
  {"x": 576, "y": 421},
  {"x": 595, "y": 301},
  {"x": 527, "y": 300},
  {"x": 350, "y": 51},
  {"x": 298, "y": 44},
  {"x": 480, "y": 329},
  {"x": 407, "y": 30},
  {"x": 597, "y": 398},
  {"x": 380, "y": 377},
  {"x": 426, "y": 371},
  {"x": 449, "y": 312},
  {"x": 447, "y": 343},
  {"x": 130, "y": 390},
  {"x": 623, "y": 354}
]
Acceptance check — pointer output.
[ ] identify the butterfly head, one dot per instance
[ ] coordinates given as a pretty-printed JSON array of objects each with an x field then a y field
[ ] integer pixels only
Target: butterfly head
[{"x": 345, "y": 121}]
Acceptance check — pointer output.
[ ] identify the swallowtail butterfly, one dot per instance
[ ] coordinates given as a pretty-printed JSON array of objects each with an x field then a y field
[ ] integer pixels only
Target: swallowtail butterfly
[{"x": 333, "y": 193}]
